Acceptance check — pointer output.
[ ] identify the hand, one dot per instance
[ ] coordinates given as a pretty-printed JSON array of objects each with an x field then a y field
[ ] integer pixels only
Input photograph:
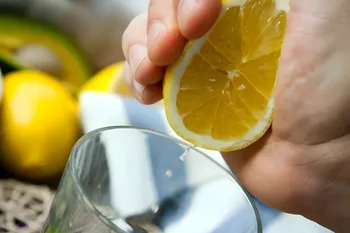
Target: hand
[{"x": 302, "y": 165}]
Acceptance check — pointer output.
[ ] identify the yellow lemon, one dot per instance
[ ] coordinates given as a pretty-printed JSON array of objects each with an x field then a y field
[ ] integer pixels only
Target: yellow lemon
[
  {"x": 219, "y": 94},
  {"x": 39, "y": 125},
  {"x": 109, "y": 79}
]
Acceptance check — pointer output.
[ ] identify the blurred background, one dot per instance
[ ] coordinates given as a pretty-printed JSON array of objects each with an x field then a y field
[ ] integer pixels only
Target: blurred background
[{"x": 50, "y": 52}]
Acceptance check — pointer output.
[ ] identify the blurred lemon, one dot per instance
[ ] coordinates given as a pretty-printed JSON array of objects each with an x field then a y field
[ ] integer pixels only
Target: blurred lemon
[
  {"x": 39, "y": 125},
  {"x": 109, "y": 79}
]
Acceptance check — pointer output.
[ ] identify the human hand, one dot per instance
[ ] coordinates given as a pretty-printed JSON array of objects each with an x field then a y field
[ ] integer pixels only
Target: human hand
[{"x": 302, "y": 165}]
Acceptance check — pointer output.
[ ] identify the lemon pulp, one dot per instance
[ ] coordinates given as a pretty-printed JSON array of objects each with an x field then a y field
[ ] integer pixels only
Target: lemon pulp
[{"x": 227, "y": 87}]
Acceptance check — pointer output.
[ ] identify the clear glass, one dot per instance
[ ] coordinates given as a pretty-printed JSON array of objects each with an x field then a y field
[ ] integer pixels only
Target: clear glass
[{"x": 124, "y": 179}]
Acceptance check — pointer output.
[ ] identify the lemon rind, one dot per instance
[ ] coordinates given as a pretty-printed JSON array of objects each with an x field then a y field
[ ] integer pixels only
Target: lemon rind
[{"x": 171, "y": 87}]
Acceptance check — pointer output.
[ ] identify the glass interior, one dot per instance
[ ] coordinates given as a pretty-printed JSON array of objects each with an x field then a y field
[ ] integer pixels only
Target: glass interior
[{"x": 134, "y": 180}]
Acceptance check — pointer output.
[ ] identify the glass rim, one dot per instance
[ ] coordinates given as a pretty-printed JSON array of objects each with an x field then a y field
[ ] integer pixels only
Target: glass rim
[{"x": 86, "y": 201}]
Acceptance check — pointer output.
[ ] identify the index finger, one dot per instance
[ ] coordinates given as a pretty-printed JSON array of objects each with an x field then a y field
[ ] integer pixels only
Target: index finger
[
  {"x": 171, "y": 22},
  {"x": 196, "y": 17},
  {"x": 165, "y": 42}
]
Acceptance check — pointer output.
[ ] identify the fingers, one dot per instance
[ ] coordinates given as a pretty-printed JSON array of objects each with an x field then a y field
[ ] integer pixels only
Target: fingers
[
  {"x": 154, "y": 40},
  {"x": 165, "y": 42},
  {"x": 171, "y": 21},
  {"x": 134, "y": 44},
  {"x": 195, "y": 18},
  {"x": 135, "y": 33},
  {"x": 146, "y": 94},
  {"x": 139, "y": 71}
]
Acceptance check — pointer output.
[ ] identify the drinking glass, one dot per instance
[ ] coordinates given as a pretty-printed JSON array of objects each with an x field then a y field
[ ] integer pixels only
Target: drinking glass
[{"x": 133, "y": 180}]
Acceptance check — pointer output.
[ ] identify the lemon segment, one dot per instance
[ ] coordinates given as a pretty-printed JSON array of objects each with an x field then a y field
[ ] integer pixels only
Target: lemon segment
[{"x": 219, "y": 94}]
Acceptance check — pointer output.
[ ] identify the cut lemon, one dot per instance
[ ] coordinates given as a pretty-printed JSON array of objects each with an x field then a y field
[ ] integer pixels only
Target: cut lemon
[{"x": 219, "y": 94}]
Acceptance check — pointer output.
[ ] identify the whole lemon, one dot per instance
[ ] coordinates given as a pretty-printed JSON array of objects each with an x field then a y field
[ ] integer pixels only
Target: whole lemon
[
  {"x": 109, "y": 79},
  {"x": 38, "y": 123}
]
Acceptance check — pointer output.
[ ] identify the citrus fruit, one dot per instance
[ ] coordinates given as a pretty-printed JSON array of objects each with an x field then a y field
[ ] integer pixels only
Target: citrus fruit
[
  {"x": 219, "y": 94},
  {"x": 109, "y": 79},
  {"x": 41, "y": 46},
  {"x": 39, "y": 125}
]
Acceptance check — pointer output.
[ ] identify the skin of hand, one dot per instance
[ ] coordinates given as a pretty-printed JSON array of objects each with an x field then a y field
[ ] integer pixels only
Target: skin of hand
[{"x": 302, "y": 164}]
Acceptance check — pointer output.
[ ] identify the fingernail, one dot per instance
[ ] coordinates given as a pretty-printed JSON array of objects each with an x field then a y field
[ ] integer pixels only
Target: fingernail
[
  {"x": 139, "y": 88},
  {"x": 137, "y": 54},
  {"x": 155, "y": 30},
  {"x": 127, "y": 74}
]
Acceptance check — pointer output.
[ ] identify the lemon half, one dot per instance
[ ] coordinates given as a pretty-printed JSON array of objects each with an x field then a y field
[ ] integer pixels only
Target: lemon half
[{"x": 219, "y": 93}]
